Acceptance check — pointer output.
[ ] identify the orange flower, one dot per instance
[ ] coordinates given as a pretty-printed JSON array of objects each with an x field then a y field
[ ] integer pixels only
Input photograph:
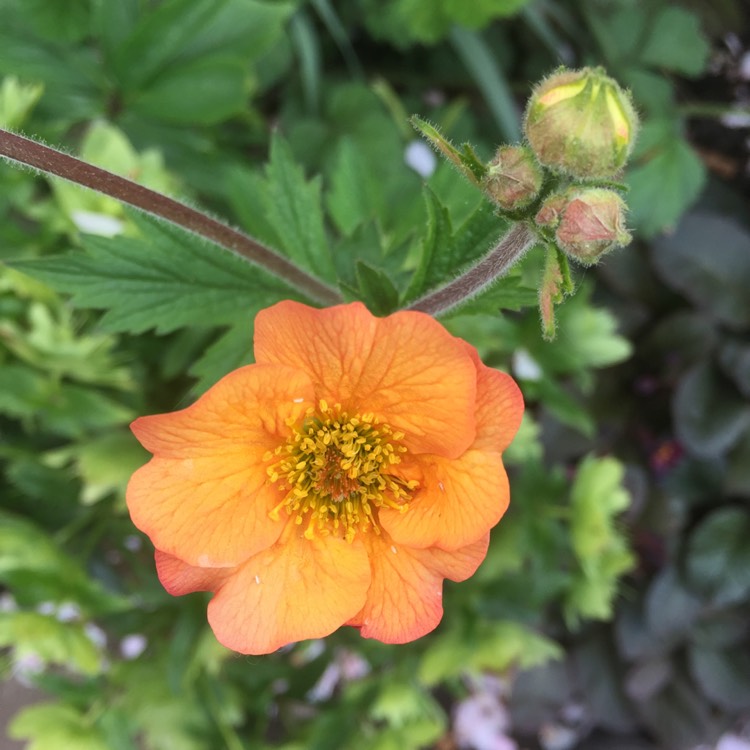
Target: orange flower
[{"x": 337, "y": 481}]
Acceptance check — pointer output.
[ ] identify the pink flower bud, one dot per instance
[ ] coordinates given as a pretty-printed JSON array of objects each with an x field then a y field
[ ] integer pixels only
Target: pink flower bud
[
  {"x": 513, "y": 178},
  {"x": 581, "y": 122},
  {"x": 588, "y": 222}
]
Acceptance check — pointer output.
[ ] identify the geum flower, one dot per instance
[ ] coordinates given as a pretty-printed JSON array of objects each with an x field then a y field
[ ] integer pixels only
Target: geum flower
[{"x": 337, "y": 481}]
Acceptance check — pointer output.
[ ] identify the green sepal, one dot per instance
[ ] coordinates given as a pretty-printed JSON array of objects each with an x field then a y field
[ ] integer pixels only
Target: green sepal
[{"x": 466, "y": 160}]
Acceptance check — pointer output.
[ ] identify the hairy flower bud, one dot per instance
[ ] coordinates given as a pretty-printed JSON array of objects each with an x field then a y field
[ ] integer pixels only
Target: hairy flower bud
[
  {"x": 588, "y": 222},
  {"x": 581, "y": 122},
  {"x": 513, "y": 178}
]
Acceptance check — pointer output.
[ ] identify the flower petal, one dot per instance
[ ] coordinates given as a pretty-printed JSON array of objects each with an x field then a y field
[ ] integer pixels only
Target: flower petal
[
  {"x": 406, "y": 368},
  {"x": 405, "y": 599},
  {"x": 295, "y": 590},
  {"x": 205, "y": 496},
  {"x": 457, "y": 503},
  {"x": 243, "y": 410},
  {"x": 179, "y": 578},
  {"x": 499, "y": 407}
]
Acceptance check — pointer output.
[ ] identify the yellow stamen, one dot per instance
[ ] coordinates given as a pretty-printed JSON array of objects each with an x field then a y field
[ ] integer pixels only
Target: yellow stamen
[{"x": 335, "y": 469}]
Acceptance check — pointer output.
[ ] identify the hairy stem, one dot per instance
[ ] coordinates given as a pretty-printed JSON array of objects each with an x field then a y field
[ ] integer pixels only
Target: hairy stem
[
  {"x": 507, "y": 251},
  {"x": 33, "y": 154}
]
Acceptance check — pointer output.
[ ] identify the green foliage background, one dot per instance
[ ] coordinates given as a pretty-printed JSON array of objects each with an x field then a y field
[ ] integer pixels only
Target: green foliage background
[{"x": 617, "y": 585}]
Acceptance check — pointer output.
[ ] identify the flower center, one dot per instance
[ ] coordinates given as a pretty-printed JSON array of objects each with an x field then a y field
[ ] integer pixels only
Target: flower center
[{"x": 335, "y": 470}]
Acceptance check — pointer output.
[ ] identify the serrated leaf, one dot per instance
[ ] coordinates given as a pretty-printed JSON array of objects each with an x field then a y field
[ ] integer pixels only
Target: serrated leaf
[
  {"x": 165, "y": 280},
  {"x": 293, "y": 206},
  {"x": 284, "y": 210},
  {"x": 445, "y": 252},
  {"x": 597, "y": 497}
]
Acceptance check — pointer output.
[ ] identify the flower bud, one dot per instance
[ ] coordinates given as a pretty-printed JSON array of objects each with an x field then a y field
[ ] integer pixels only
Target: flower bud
[
  {"x": 588, "y": 222},
  {"x": 582, "y": 123},
  {"x": 513, "y": 178}
]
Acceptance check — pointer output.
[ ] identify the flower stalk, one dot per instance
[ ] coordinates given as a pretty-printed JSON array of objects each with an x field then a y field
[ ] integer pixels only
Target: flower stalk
[
  {"x": 33, "y": 154},
  {"x": 509, "y": 250}
]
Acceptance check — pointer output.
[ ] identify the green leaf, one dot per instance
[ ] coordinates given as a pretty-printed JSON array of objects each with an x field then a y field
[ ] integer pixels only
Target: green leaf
[
  {"x": 284, "y": 210},
  {"x": 377, "y": 290},
  {"x": 678, "y": 716},
  {"x": 160, "y": 37},
  {"x": 201, "y": 92},
  {"x": 445, "y": 252},
  {"x": 489, "y": 645},
  {"x": 62, "y": 407},
  {"x": 52, "y": 342},
  {"x": 66, "y": 21},
  {"x": 671, "y": 609},
  {"x": 351, "y": 199},
  {"x": 165, "y": 280},
  {"x": 508, "y": 293},
  {"x": 28, "y": 554},
  {"x": 232, "y": 349},
  {"x": 293, "y": 207},
  {"x": 652, "y": 91},
  {"x": 105, "y": 464},
  {"x": 714, "y": 281},
  {"x": 709, "y": 415},
  {"x": 718, "y": 556},
  {"x": 738, "y": 473},
  {"x": 676, "y": 42},
  {"x": 665, "y": 179},
  {"x": 723, "y": 675},
  {"x": 54, "y": 642},
  {"x": 597, "y": 497},
  {"x": 16, "y": 101},
  {"x": 53, "y": 726},
  {"x": 427, "y": 21}
]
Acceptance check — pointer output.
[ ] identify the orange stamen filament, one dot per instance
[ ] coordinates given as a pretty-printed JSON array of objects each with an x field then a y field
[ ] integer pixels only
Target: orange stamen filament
[{"x": 335, "y": 472}]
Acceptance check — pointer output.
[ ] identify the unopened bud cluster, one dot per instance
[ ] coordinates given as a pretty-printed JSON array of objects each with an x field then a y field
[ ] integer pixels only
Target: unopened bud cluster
[{"x": 580, "y": 126}]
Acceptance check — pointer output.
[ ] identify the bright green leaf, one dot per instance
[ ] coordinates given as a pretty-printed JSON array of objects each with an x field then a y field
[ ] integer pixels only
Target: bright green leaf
[{"x": 53, "y": 726}]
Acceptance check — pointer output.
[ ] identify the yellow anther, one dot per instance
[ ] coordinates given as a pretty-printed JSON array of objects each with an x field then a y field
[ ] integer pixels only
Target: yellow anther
[{"x": 335, "y": 472}]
